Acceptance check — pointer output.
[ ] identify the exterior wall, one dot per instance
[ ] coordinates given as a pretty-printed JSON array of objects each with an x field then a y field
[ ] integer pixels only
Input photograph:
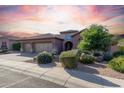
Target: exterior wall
[
  {"x": 28, "y": 47},
  {"x": 39, "y": 47},
  {"x": 8, "y": 42},
  {"x": 76, "y": 40},
  {"x": 56, "y": 44},
  {"x": 24, "y": 45}
]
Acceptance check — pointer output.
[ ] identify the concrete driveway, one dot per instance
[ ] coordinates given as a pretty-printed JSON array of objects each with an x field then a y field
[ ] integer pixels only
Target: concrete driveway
[{"x": 17, "y": 56}]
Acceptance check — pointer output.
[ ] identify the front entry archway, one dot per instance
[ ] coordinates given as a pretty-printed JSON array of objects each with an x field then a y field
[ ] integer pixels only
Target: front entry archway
[{"x": 68, "y": 45}]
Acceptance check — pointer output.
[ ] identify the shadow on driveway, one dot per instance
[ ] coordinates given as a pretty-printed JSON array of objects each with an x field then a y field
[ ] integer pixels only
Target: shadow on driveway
[
  {"x": 91, "y": 68},
  {"x": 91, "y": 78},
  {"x": 49, "y": 65},
  {"x": 27, "y": 54}
]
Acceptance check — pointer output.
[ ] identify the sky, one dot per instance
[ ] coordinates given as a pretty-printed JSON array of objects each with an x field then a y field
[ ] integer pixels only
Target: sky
[{"x": 54, "y": 19}]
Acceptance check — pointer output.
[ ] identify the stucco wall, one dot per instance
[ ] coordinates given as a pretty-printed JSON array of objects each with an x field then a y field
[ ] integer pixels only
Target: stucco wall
[
  {"x": 8, "y": 42},
  {"x": 58, "y": 45},
  {"x": 76, "y": 40}
]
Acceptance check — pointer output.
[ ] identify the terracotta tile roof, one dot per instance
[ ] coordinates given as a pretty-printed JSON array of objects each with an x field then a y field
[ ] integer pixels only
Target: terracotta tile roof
[{"x": 43, "y": 36}]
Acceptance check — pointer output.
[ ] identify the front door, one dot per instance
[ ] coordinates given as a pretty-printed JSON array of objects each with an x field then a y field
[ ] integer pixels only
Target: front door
[{"x": 68, "y": 45}]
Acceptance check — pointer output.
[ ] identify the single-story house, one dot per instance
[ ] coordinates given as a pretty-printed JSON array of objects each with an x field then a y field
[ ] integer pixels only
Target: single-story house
[{"x": 66, "y": 40}]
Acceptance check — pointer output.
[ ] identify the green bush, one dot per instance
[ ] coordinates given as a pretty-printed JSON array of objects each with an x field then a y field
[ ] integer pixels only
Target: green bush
[
  {"x": 117, "y": 64},
  {"x": 16, "y": 46},
  {"x": 44, "y": 58},
  {"x": 107, "y": 56},
  {"x": 69, "y": 58},
  {"x": 121, "y": 48},
  {"x": 118, "y": 53},
  {"x": 98, "y": 53},
  {"x": 121, "y": 44},
  {"x": 86, "y": 58},
  {"x": 83, "y": 51}
]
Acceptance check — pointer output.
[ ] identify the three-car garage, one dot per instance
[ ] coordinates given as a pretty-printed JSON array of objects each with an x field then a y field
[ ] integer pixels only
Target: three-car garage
[
  {"x": 44, "y": 44},
  {"x": 38, "y": 47}
]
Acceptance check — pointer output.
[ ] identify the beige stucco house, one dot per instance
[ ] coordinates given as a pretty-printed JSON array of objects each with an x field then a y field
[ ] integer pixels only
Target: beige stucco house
[{"x": 66, "y": 40}]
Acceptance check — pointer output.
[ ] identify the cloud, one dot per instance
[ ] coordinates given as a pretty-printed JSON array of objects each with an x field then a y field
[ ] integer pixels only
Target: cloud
[{"x": 44, "y": 19}]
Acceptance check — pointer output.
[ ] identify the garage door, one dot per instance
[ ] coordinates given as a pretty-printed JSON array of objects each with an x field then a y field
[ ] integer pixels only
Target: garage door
[
  {"x": 28, "y": 47},
  {"x": 39, "y": 47}
]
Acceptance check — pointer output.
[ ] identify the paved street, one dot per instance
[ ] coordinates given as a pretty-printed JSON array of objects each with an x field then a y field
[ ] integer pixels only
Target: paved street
[
  {"x": 17, "y": 56},
  {"x": 12, "y": 79}
]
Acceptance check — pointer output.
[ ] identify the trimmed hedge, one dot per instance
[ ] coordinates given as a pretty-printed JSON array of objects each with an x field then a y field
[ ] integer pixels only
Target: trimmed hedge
[
  {"x": 69, "y": 58},
  {"x": 16, "y": 46},
  {"x": 86, "y": 58},
  {"x": 44, "y": 58},
  {"x": 117, "y": 64}
]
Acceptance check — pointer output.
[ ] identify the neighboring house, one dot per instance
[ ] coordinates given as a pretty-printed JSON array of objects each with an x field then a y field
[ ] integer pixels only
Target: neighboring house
[
  {"x": 115, "y": 48},
  {"x": 66, "y": 40},
  {"x": 7, "y": 41}
]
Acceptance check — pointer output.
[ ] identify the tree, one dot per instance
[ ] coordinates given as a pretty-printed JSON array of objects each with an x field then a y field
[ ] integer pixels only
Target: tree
[{"x": 96, "y": 37}]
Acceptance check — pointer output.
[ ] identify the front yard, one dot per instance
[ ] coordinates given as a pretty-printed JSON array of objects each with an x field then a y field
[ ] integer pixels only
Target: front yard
[
  {"x": 101, "y": 69},
  {"x": 93, "y": 55},
  {"x": 95, "y": 68}
]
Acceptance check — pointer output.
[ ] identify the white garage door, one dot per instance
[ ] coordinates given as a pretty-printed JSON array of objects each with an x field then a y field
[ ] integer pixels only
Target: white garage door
[
  {"x": 28, "y": 48},
  {"x": 39, "y": 47}
]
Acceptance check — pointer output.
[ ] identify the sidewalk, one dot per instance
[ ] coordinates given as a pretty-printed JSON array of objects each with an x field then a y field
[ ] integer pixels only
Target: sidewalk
[{"x": 64, "y": 77}]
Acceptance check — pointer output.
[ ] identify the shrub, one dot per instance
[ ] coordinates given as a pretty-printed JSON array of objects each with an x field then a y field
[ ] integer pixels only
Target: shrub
[
  {"x": 117, "y": 64},
  {"x": 107, "y": 56},
  {"x": 16, "y": 46},
  {"x": 121, "y": 48},
  {"x": 69, "y": 58},
  {"x": 86, "y": 58},
  {"x": 83, "y": 51},
  {"x": 118, "y": 53},
  {"x": 98, "y": 53},
  {"x": 44, "y": 58},
  {"x": 121, "y": 44}
]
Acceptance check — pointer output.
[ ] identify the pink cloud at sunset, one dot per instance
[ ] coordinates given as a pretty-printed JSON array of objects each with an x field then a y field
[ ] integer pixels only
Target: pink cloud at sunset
[{"x": 53, "y": 19}]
